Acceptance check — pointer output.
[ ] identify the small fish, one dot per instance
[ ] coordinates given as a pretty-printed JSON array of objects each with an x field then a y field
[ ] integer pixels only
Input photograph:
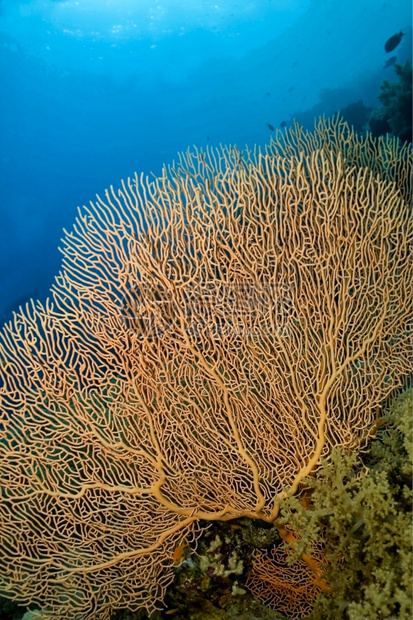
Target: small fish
[
  {"x": 393, "y": 42},
  {"x": 283, "y": 124},
  {"x": 270, "y": 127},
  {"x": 390, "y": 62},
  {"x": 177, "y": 554}
]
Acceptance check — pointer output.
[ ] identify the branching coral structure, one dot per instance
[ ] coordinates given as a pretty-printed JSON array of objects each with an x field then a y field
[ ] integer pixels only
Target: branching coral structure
[
  {"x": 360, "y": 516},
  {"x": 212, "y": 335}
]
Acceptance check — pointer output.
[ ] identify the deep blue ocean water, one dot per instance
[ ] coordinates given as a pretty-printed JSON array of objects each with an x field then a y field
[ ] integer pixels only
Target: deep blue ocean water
[{"x": 94, "y": 90}]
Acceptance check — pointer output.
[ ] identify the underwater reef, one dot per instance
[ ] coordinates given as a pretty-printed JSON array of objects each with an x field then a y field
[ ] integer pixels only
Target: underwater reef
[
  {"x": 394, "y": 115},
  {"x": 360, "y": 514},
  {"x": 199, "y": 392},
  {"x": 357, "y": 510}
]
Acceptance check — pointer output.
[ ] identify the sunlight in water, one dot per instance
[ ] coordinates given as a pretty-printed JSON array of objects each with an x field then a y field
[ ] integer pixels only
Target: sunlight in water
[{"x": 125, "y": 19}]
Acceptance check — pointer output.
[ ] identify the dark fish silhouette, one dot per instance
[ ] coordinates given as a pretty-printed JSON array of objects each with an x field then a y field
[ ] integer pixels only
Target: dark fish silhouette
[
  {"x": 270, "y": 127},
  {"x": 390, "y": 62},
  {"x": 393, "y": 42},
  {"x": 283, "y": 124}
]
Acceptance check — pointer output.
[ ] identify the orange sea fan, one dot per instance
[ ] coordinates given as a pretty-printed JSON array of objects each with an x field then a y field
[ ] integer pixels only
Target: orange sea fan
[
  {"x": 213, "y": 334},
  {"x": 289, "y": 589}
]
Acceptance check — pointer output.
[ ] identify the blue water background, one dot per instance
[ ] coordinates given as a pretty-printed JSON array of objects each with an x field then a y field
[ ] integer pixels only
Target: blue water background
[{"x": 94, "y": 90}]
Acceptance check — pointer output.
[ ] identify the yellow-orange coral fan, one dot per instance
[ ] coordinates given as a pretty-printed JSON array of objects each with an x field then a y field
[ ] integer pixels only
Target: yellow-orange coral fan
[
  {"x": 213, "y": 333},
  {"x": 290, "y": 589}
]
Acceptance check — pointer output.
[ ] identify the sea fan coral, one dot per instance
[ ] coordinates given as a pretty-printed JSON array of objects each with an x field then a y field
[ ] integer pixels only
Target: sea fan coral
[{"x": 213, "y": 333}]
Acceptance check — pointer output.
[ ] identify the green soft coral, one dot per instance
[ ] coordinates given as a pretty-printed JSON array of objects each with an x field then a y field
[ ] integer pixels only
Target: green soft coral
[{"x": 363, "y": 513}]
